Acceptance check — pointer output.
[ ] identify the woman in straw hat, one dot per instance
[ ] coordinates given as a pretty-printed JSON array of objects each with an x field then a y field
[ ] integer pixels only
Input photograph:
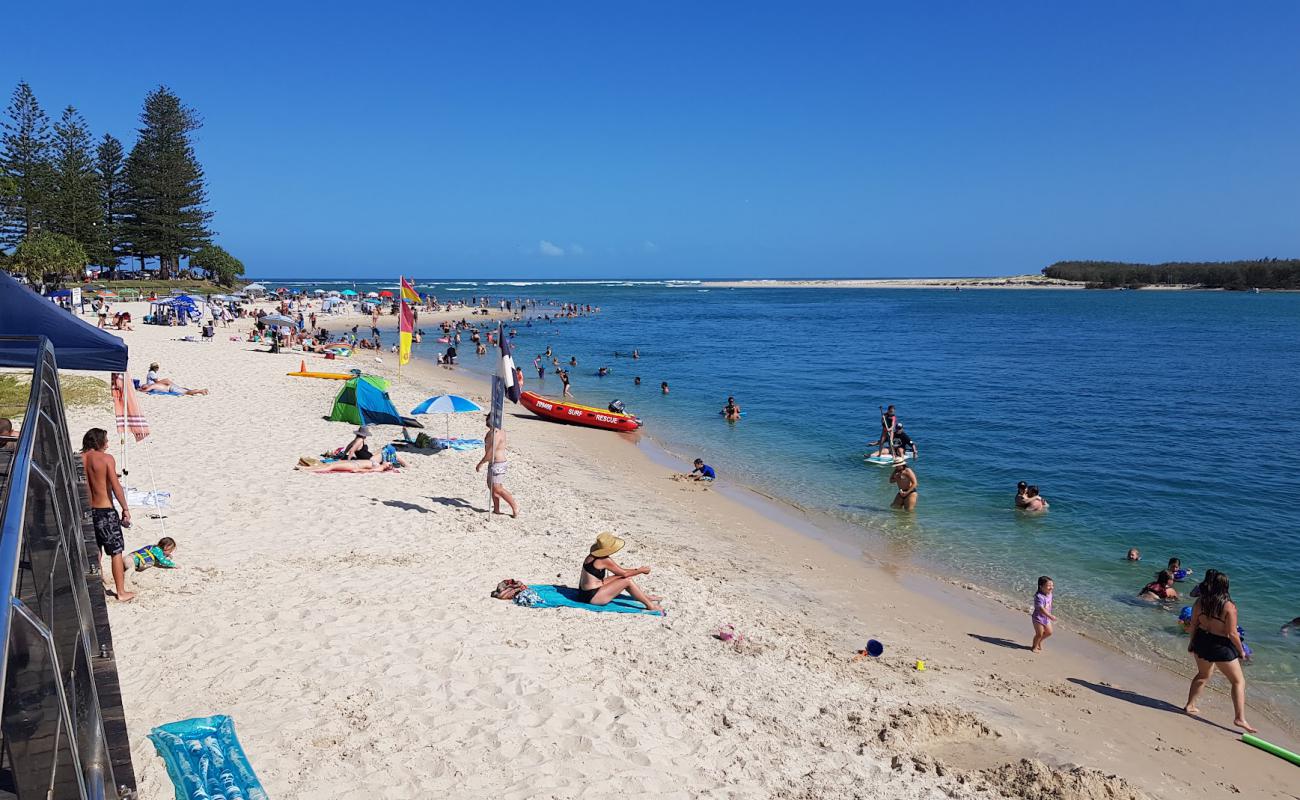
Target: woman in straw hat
[{"x": 597, "y": 589}]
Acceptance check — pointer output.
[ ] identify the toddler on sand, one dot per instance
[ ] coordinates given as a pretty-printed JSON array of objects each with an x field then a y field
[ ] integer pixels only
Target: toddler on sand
[
  {"x": 1042, "y": 615},
  {"x": 155, "y": 555}
]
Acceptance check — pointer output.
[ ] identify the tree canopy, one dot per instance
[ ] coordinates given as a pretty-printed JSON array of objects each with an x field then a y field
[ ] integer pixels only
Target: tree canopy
[
  {"x": 164, "y": 204},
  {"x": 222, "y": 267},
  {"x": 1265, "y": 273},
  {"x": 46, "y": 255},
  {"x": 57, "y": 179}
]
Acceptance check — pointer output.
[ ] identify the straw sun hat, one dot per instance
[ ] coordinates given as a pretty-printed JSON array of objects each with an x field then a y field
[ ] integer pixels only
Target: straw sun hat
[{"x": 607, "y": 544}]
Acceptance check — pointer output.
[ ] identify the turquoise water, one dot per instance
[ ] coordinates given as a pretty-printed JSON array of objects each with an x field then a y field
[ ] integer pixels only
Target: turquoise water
[{"x": 1166, "y": 421}]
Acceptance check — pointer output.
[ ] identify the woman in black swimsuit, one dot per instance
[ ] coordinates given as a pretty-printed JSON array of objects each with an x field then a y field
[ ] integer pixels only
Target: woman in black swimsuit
[
  {"x": 357, "y": 449},
  {"x": 597, "y": 589},
  {"x": 1216, "y": 643}
]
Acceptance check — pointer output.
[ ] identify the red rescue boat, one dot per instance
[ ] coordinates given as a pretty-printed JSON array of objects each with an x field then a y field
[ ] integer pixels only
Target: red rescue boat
[{"x": 574, "y": 414}]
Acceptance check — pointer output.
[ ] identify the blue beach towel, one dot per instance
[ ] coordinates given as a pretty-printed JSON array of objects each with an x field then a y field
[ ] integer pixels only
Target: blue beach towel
[
  {"x": 457, "y": 444},
  {"x": 164, "y": 394},
  {"x": 564, "y": 597},
  {"x": 204, "y": 759}
]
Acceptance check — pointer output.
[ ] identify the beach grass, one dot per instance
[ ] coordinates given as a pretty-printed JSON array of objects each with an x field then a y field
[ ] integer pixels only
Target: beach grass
[{"x": 78, "y": 391}]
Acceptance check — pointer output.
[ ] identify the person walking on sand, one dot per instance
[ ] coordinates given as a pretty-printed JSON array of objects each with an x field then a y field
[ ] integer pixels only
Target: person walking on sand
[
  {"x": 905, "y": 479},
  {"x": 101, "y": 475},
  {"x": 494, "y": 455},
  {"x": 1216, "y": 643},
  {"x": 595, "y": 588},
  {"x": 1042, "y": 613}
]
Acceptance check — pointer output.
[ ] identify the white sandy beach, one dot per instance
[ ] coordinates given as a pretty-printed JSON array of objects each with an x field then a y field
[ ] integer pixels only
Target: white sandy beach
[{"x": 344, "y": 622}]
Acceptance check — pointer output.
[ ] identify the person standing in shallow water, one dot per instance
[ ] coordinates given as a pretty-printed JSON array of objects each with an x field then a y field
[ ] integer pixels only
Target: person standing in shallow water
[
  {"x": 905, "y": 479},
  {"x": 1216, "y": 643}
]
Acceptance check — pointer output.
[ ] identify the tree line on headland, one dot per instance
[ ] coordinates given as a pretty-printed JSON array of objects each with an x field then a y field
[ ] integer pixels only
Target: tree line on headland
[
  {"x": 1265, "y": 273},
  {"x": 68, "y": 202}
]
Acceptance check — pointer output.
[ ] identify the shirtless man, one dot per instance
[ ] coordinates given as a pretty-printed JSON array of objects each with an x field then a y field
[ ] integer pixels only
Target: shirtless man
[
  {"x": 494, "y": 455},
  {"x": 905, "y": 480},
  {"x": 101, "y": 474}
]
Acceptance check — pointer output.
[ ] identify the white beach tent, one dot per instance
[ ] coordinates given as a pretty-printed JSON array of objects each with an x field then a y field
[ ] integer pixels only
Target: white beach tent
[{"x": 254, "y": 289}]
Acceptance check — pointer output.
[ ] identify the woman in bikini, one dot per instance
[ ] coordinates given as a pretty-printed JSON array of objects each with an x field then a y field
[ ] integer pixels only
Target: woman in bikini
[
  {"x": 595, "y": 588},
  {"x": 1216, "y": 643}
]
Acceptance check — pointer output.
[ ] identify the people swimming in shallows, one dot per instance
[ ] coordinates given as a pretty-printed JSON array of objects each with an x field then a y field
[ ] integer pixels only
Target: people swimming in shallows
[
  {"x": 731, "y": 410},
  {"x": 1217, "y": 643},
  {"x": 663, "y": 387},
  {"x": 905, "y": 479},
  {"x": 1162, "y": 588},
  {"x": 597, "y": 589}
]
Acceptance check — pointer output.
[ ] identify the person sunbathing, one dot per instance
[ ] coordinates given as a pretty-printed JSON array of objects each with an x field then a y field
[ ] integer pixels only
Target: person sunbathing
[
  {"x": 349, "y": 466},
  {"x": 596, "y": 589},
  {"x": 153, "y": 383}
]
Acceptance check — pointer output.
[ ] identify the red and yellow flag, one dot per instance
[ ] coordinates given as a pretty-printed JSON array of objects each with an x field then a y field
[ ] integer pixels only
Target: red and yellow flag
[
  {"x": 406, "y": 323},
  {"x": 408, "y": 291}
]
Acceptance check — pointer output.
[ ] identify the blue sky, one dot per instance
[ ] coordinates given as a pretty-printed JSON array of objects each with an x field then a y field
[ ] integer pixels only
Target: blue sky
[{"x": 684, "y": 139}]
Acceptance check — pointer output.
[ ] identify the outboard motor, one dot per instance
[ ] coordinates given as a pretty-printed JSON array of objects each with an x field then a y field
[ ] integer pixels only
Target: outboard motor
[{"x": 617, "y": 407}]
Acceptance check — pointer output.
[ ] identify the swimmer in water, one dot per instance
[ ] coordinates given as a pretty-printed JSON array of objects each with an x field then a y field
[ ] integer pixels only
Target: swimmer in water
[
  {"x": 663, "y": 387},
  {"x": 1033, "y": 502},
  {"x": 1293, "y": 625},
  {"x": 1162, "y": 588},
  {"x": 1021, "y": 501},
  {"x": 731, "y": 411},
  {"x": 636, "y": 381},
  {"x": 1134, "y": 554},
  {"x": 636, "y": 353}
]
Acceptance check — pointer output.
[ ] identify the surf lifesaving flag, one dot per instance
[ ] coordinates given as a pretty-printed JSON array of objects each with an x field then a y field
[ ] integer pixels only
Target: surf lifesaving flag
[
  {"x": 406, "y": 325},
  {"x": 408, "y": 292},
  {"x": 505, "y": 384}
]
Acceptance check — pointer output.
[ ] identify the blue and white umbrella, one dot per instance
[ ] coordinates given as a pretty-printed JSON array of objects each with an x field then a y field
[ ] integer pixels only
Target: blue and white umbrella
[{"x": 447, "y": 404}]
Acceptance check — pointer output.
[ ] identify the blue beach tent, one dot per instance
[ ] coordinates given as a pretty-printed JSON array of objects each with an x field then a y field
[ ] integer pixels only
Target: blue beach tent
[
  {"x": 364, "y": 401},
  {"x": 77, "y": 344}
]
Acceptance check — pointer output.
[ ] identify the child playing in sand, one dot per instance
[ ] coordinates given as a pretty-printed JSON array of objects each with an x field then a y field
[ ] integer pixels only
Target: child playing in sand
[
  {"x": 1042, "y": 615},
  {"x": 155, "y": 555}
]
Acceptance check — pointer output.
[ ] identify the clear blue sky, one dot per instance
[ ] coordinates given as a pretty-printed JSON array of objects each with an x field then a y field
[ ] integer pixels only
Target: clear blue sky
[{"x": 687, "y": 139}]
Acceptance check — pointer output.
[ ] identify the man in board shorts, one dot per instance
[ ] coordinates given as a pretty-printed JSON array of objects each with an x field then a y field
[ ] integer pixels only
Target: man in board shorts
[{"x": 101, "y": 474}]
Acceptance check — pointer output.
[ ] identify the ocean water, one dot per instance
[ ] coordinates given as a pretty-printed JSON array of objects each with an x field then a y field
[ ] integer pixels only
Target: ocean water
[{"x": 1166, "y": 421}]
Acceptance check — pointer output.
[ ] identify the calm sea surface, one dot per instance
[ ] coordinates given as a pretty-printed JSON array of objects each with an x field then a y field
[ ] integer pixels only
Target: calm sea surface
[{"x": 1166, "y": 421}]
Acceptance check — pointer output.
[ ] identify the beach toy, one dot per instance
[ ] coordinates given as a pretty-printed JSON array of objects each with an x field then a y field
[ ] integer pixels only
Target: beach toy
[
  {"x": 874, "y": 648},
  {"x": 1181, "y": 575},
  {"x": 920, "y": 666},
  {"x": 1269, "y": 747},
  {"x": 204, "y": 759}
]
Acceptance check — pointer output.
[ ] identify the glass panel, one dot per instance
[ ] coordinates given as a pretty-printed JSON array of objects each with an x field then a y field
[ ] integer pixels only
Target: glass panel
[{"x": 31, "y": 721}]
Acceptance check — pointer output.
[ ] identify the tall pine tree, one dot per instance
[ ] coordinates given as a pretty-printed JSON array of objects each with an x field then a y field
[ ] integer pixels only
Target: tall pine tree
[
  {"x": 74, "y": 206},
  {"x": 25, "y": 160},
  {"x": 165, "y": 188},
  {"x": 110, "y": 174}
]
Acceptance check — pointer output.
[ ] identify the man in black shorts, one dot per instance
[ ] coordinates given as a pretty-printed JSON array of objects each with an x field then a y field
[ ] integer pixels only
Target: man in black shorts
[{"x": 101, "y": 474}]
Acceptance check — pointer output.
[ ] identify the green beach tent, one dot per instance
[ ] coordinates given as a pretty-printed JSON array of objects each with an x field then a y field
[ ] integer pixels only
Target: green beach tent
[{"x": 364, "y": 401}]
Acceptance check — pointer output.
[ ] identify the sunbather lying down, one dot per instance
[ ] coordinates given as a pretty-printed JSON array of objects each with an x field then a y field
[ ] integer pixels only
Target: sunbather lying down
[{"x": 346, "y": 466}]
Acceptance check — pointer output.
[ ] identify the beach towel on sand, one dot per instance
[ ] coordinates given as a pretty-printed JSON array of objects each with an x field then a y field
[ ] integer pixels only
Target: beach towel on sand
[{"x": 563, "y": 597}]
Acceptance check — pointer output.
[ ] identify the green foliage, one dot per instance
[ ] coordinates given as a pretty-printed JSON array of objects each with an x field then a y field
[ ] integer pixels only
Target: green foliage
[
  {"x": 221, "y": 266},
  {"x": 1266, "y": 273},
  {"x": 74, "y": 205},
  {"x": 110, "y": 165},
  {"x": 77, "y": 390},
  {"x": 25, "y": 160},
  {"x": 48, "y": 255},
  {"x": 164, "y": 214}
]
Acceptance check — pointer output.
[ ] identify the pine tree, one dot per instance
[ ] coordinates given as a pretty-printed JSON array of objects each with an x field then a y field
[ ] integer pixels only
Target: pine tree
[
  {"x": 24, "y": 158},
  {"x": 165, "y": 195},
  {"x": 74, "y": 205},
  {"x": 111, "y": 179}
]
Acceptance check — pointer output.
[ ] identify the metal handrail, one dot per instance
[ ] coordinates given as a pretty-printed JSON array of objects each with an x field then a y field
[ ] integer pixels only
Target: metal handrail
[{"x": 90, "y": 762}]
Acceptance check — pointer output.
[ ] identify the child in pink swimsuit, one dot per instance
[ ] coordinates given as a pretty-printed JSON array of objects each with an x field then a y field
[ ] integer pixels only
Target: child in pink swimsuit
[{"x": 1042, "y": 614}]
